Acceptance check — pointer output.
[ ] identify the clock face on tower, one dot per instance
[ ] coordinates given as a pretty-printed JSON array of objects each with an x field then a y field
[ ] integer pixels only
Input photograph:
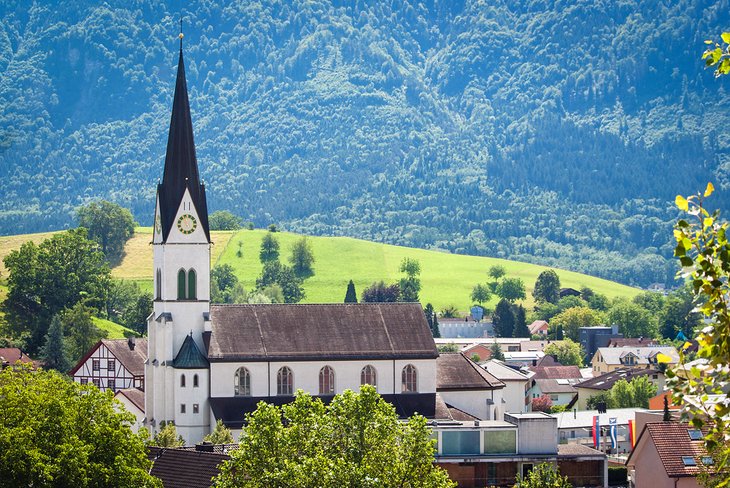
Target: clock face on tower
[{"x": 187, "y": 224}]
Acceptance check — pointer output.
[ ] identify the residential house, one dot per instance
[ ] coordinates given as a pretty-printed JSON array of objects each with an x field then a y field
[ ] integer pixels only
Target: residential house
[
  {"x": 484, "y": 351},
  {"x": 10, "y": 355},
  {"x": 607, "y": 359},
  {"x": 539, "y": 327},
  {"x": 657, "y": 402},
  {"x": 668, "y": 455},
  {"x": 556, "y": 382},
  {"x": 113, "y": 364},
  {"x": 133, "y": 401},
  {"x": 604, "y": 382},
  {"x": 632, "y": 342},
  {"x": 463, "y": 384},
  {"x": 517, "y": 385},
  {"x": 576, "y": 427},
  {"x": 519, "y": 358}
]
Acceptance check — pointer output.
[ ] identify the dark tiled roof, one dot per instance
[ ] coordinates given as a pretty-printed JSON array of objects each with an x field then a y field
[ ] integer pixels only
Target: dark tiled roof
[
  {"x": 556, "y": 372},
  {"x": 134, "y": 395},
  {"x": 306, "y": 332},
  {"x": 181, "y": 164},
  {"x": 549, "y": 386},
  {"x": 132, "y": 360},
  {"x": 455, "y": 371},
  {"x": 178, "y": 468},
  {"x": 547, "y": 360},
  {"x": 10, "y": 355},
  {"x": 189, "y": 356},
  {"x": 232, "y": 410},
  {"x": 672, "y": 442},
  {"x": 607, "y": 380},
  {"x": 572, "y": 450}
]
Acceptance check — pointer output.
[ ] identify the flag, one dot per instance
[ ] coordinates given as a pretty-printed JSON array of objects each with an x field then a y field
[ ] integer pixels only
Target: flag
[
  {"x": 596, "y": 432},
  {"x": 614, "y": 441},
  {"x": 632, "y": 433}
]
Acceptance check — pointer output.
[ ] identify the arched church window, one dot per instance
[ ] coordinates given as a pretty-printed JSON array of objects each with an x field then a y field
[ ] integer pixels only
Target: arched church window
[
  {"x": 326, "y": 381},
  {"x": 195, "y": 381},
  {"x": 368, "y": 376},
  {"x": 158, "y": 284},
  {"x": 242, "y": 382},
  {"x": 181, "y": 284},
  {"x": 284, "y": 381},
  {"x": 182, "y": 381},
  {"x": 192, "y": 294},
  {"x": 409, "y": 379}
]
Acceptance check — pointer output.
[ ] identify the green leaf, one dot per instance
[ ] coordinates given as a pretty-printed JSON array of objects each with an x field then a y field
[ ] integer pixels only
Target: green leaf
[
  {"x": 725, "y": 37},
  {"x": 686, "y": 261},
  {"x": 681, "y": 203}
]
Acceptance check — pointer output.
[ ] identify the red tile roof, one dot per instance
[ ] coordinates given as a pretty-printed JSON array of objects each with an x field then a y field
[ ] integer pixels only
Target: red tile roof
[
  {"x": 672, "y": 442},
  {"x": 13, "y": 354}
]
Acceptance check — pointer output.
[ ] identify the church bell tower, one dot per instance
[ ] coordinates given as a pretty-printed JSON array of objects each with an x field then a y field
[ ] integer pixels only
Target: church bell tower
[{"x": 176, "y": 372}]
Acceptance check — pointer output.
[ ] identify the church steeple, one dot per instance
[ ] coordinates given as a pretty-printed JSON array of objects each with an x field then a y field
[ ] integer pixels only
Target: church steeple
[{"x": 181, "y": 165}]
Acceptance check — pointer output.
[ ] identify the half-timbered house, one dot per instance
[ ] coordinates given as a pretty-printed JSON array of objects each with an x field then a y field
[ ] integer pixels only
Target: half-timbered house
[{"x": 113, "y": 364}]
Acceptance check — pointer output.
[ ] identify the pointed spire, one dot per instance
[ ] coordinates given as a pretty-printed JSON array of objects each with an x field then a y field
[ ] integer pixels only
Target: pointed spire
[{"x": 181, "y": 165}]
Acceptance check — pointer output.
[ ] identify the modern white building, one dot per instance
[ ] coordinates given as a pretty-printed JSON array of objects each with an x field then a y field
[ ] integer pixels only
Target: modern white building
[{"x": 517, "y": 383}]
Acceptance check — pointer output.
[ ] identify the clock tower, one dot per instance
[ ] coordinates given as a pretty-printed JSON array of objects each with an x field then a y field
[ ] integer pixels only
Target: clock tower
[{"x": 176, "y": 372}]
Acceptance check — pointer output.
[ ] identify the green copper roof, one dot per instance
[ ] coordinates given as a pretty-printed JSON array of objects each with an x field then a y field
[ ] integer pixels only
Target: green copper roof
[{"x": 189, "y": 356}]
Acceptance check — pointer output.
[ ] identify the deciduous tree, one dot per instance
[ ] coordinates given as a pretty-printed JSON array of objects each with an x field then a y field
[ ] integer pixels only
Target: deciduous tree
[
  {"x": 109, "y": 224},
  {"x": 480, "y": 293},
  {"x": 380, "y": 292},
  {"x": 276, "y": 273},
  {"x": 568, "y": 353},
  {"x": 572, "y": 319},
  {"x": 220, "y": 435},
  {"x": 167, "y": 436},
  {"x": 543, "y": 476},
  {"x": 269, "y": 248},
  {"x": 224, "y": 220},
  {"x": 547, "y": 287},
  {"x": 302, "y": 258},
  {"x": 633, "y": 321},
  {"x": 410, "y": 285},
  {"x": 511, "y": 289}
]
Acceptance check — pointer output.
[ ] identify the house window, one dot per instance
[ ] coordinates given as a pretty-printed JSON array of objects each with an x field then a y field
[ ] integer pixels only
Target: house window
[
  {"x": 84, "y": 381},
  {"x": 182, "y": 381},
  {"x": 196, "y": 408},
  {"x": 95, "y": 365},
  {"x": 554, "y": 398},
  {"x": 110, "y": 364},
  {"x": 242, "y": 383},
  {"x": 182, "y": 408},
  {"x": 368, "y": 376},
  {"x": 689, "y": 461},
  {"x": 111, "y": 384},
  {"x": 409, "y": 379},
  {"x": 195, "y": 381},
  {"x": 158, "y": 285},
  {"x": 95, "y": 381},
  {"x": 284, "y": 381},
  {"x": 192, "y": 293},
  {"x": 139, "y": 383},
  {"x": 326, "y": 381}
]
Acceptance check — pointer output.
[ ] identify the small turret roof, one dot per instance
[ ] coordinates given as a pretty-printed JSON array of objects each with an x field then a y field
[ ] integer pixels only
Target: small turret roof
[{"x": 189, "y": 356}]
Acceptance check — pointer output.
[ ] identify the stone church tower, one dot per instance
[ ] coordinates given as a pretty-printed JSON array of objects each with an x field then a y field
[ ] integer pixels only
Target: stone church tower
[{"x": 177, "y": 373}]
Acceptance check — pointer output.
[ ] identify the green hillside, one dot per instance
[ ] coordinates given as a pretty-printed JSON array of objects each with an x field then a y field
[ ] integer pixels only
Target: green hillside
[{"x": 113, "y": 330}]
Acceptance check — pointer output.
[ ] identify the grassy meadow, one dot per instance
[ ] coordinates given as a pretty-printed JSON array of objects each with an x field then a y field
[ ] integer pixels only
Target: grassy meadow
[{"x": 113, "y": 330}]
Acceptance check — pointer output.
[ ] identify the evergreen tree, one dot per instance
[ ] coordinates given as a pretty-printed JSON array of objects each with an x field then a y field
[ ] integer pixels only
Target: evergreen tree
[
  {"x": 53, "y": 352},
  {"x": 667, "y": 416},
  {"x": 503, "y": 319},
  {"x": 220, "y": 435},
  {"x": 351, "y": 295},
  {"x": 521, "y": 329},
  {"x": 496, "y": 351},
  {"x": 432, "y": 320}
]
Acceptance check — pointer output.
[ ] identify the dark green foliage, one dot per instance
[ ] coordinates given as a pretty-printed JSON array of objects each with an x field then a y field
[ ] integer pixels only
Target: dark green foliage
[
  {"x": 432, "y": 320},
  {"x": 633, "y": 321},
  {"x": 410, "y": 285},
  {"x": 603, "y": 397},
  {"x": 480, "y": 293},
  {"x": 547, "y": 287},
  {"x": 496, "y": 351},
  {"x": 135, "y": 316},
  {"x": 302, "y": 258},
  {"x": 511, "y": 289},
  {"x": 269, "y": 248},
  {"x": 224, "y": 220},
  {"x": 80, "y": 330},
  {"x": 224, "y": 276},
  {"x": 521, "y": 329},
  {"x": 44, "y": 279},
  {"x": 667, "y": 416},
  {"x": 561, "y": 157},
  {"x": 53, "y": 352},
  {"x": 380, "y": 292},
  {"x": 128, "y": 305},
  {"x": 543, "y": 475},
  {"x": 503, "y": 319},
  {"x": 449, "y": 312},
  {"x": 276, "y": 273},
  {"x": 351, "y": 295},
  {"x": 617, "y": 476},
  {"x": 109, "y": 224}
]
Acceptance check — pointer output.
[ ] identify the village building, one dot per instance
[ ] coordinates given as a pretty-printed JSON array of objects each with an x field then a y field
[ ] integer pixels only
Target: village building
[
  {"x": 576, "y": 427},
  {"x": 11, "y": 355},
  {"x": 603, "y": 383},
  {"x": 113, "y": 364},
  {"x": 516, "y": 393},
  {"x": 607, "y": 359},
  {"x": 539, "y": 327}
]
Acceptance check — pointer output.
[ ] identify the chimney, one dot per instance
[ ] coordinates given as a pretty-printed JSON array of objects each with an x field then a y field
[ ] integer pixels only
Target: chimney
[
  {"x": 204, "y": 446},
  {"x": 131, "y": 343}
]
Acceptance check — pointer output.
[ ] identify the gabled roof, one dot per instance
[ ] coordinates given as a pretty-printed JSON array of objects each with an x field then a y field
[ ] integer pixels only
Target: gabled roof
[
  {"x": 264, "y": 332},
  {"x": 502, "y": 372},
  {"x": 189, "y": 356},
  {"x": 613, "y": 355},
  {"x": 554, "y": 386},
  {"x": 607, "y": 380},
  {"x": 556, "y": 372},
  {"x": 537, "y": 326},
  {"x": 10, "y": 355},
  {"x": 455, "y": 371},
  {"x": 134, "y": 395},
  {"x": 672, "y": 443},
  {"x": 181, "y": 164},
  {"x": 178, "y": 468},
  {"x": 130, "y": 354}
]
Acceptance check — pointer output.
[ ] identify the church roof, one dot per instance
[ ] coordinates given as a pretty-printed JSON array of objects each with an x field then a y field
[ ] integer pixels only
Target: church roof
[
  {"x": 264, "y": 332},
  {"x": 189, "y": 356},
  {"x": 181, "y": 165}
]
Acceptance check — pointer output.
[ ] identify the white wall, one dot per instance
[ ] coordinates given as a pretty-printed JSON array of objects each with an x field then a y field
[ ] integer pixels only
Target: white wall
[
  {"x": 474, "y": 402},
  {"x": 514, "y": 396}
]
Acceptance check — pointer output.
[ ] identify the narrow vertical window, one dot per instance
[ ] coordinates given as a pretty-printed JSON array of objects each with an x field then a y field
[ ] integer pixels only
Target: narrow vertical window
[
  {"x": 368, "y": 376},
  {"x": 158, "y": 285},
  {"x": 409, "y": 379},
  {"x": 242, "y": 383},
  {"x": 181, "y": 284},
  {"x": 326, "y": 381},
  {"x": 195, "y": 381},
  {"x": 182, "y": 381},
  {"x": 192, "y": 294},
  {"x": 284, "y": 382}
]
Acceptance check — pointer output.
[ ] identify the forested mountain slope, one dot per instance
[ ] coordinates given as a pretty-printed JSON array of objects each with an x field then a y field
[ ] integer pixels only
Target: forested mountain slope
[{"x": 556, "y": 132}]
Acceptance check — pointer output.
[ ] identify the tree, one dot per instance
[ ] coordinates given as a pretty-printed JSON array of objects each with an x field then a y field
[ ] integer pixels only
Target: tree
[
  {"x": 480, "y": 294},
  {"x": 521, "y": 329},
  {"x": 496, "y": 272},
  {"x": 678, "y": 314},
  {"x": 503, "y": 319},
  {"x": 356, "y": 440},
  {"x": 543, "y": 475},
  {"x": 542, "y": 403},
  {"x": 449, "y": 347},
  {"x": 220, "y": 435},
  {"x": 53, "y": 351},
  {"x": 80, "y": 329},
  {"x": 410, "y": 285},
  {"x": 55, "y": 432},
  {"x": 275, "y": 273},
  {"x": 432, "y": 320},
  {"x": 547, "y": 287},
  {"x": 643, "y": 391},
  {"x": 223, "y": 281},
  {"x": 511, "y": 289},
  {"x": 475, "y": 357},
  {"x": 603, "y": 397},
  {"x": 109, "y": 224},
  {"x": 135, "y": 316},
  {"x": 269, "y": 248},
  {"x": 167, "y": 436},
  {"x": 302, "y": 258},
  {"x": 633, "y": 394},
  {"x": 622, "y": 394},
  {"x": 572, "y": 319},
  {"x": 380, "y": 292},
  {"x": 633, "y": 321},
  {"x": 350, "y": 295},
  {"x": 568, "y": 353},
  {"x": 224, "y": 220},
  {"x": 496, "y": 351},
  {"x": 46, "y": 278},
  {"x": 449, "y": 312}
]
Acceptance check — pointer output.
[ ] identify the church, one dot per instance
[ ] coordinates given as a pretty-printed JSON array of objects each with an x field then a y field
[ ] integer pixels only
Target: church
[{"x": 216, "y": 362}]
